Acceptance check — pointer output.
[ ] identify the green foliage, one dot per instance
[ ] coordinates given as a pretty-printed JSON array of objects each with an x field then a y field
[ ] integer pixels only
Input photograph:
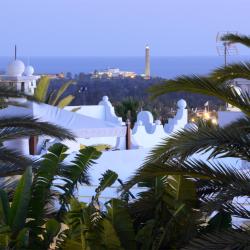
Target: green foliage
[
  {"x": 12, "y": 162},
  {"x": 65, "y": 101},
  {"x": 27, "y": 223},
  {"x": 60, "y": 92},
  {"x": 236, "y": 38},
  {"x": 217, "y": 186},
  {"x": 232, "y": 71},
  {"x": 119, "y": 217},
  {"x": 206, "y": 86},
  {"x": 128, "y": 109},
  {"x": 54, "y": 97},
  {"x": 20, "y": 203},
  {"x": 107, "y": 180},
  {"x": 42, "y": 89},
  {"x": 43, "y": 181}
]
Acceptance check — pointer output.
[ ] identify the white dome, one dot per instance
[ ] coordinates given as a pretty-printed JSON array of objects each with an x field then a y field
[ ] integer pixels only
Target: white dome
[
  {"x": 16, "y": 68},
  {"x": 29, "y": 70},
  {"x": 181, "y": 104},
  {"x": 105, "y": 98}
]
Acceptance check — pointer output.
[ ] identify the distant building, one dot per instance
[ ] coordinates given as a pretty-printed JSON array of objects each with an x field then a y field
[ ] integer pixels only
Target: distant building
[
  {"x": 55, "y": 76},
  {"x": 19, "y": 77},
  {"x": 113, "y": 73},
  {"x": 147, "y": 63}
]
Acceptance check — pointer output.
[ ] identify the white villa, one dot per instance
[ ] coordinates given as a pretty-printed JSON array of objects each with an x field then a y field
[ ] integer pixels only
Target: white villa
[
  {"x": 98, "y": 124},
  {"x": 20, "y": 77}
]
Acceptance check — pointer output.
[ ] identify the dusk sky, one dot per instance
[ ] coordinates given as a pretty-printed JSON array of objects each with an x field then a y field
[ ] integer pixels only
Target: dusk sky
[{"x": 119, "y": 27}]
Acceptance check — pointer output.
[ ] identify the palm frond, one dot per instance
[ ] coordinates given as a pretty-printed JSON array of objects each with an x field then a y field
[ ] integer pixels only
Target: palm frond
[
  {"x": 31, "y": 126},
  {"x": 237, "y": 38},
  {"x": 224, "y": 175},
  {"x": 232, "y": 71},
  {"x": 65, "y": 101},
  {"x": 236, "y": 209},
  {"x": 206, "y": 86},
  {"x": 229, "y": 141},
  {"x": 42, "y": 88},
  {"x": 228, "y": 239},
  {"x": 8, "y": 184},
  {"x": 12, "y": 162},
  {"x": 230, "y": 198}
]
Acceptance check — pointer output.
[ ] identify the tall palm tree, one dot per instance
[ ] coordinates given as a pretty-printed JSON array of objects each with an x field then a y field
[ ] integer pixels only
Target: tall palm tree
[
  {"x": 12, "y": 162},
  {"x": 219, "y": 185}
]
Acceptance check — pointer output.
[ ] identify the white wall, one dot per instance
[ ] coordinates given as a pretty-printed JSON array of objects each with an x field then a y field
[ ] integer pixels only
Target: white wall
[
  {"x": 95, "y": 111},
  {"x": 226, "y": 117},
  {"x": 123, "y": 162}
]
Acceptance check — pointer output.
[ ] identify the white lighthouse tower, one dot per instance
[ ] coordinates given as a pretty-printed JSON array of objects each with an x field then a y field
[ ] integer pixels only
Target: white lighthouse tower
[{"x": 147, "y": 63}]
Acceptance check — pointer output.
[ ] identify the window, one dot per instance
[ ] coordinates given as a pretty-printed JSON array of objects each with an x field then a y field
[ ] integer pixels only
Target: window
[{"x": 22, "y": 87}]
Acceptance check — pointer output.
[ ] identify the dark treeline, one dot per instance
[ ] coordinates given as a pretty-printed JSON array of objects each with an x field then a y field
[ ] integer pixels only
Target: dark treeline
[{"x": 89, "y": 91}]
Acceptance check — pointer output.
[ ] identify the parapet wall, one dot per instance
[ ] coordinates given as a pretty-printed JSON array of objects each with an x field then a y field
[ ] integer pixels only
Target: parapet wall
[{"x": 147, "y": 133}]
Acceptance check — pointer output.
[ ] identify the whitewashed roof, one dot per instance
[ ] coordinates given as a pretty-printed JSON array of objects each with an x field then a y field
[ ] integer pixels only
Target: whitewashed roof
[{"x": 82, "y": 126}]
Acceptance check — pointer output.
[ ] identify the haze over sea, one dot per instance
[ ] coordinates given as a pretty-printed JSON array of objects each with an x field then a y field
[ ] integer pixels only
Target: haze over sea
[{"x": 166, "y": 67}]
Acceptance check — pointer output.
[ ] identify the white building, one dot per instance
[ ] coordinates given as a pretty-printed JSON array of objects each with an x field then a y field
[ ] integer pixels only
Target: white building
[
  {"x": 113, "y": 73},
  {"x": 20, "y": 77},
  {"x": 98, "y": 124}
]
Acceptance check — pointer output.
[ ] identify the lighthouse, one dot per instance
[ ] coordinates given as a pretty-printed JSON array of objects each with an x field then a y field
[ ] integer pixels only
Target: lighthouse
[{"x": 147, "y": 63}]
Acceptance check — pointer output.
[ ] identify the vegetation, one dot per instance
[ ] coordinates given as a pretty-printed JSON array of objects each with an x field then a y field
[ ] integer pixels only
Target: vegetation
[
  {"x": 128, "y": 109},
  {"x": 90, "y": 92},
  {"x": 16, "y": 127},
  {"x": 185, "y": 203},
  {"x": 220, "y": 188},
  {"x": 34, "y": 215},
  {"x": 54, "y": 97}
]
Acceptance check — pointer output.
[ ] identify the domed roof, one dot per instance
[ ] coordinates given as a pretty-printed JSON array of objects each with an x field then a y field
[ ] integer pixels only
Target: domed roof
[
  {"x": 16, "y": 68},
  {"x": 181, "y": 104},
  {"x": 29, "y": 70}
]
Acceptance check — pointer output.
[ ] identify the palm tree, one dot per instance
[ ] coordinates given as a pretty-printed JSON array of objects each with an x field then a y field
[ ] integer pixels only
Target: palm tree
[
  {"x": 54, "y": 98},
  {"x": 218, "y": 185},
  {"x": 12, "y": 162},
  {"x": 128, "y": 109}
]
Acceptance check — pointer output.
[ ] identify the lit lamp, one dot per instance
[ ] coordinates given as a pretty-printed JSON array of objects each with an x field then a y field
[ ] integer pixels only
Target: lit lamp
[
  {"x": 214, "y": 121},
  {"x": 206, "y": 116}
]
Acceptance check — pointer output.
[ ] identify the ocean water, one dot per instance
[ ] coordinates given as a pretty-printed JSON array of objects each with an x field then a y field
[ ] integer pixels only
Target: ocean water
[{"x": 167, "y": 67}]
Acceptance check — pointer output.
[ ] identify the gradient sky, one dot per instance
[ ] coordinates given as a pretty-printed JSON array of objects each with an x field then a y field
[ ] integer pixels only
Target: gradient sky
[{"x": 119, "y": 27}]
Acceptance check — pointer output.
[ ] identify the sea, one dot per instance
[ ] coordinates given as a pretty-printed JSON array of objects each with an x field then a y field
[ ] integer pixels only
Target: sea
[{"x": 165, "y": 67}]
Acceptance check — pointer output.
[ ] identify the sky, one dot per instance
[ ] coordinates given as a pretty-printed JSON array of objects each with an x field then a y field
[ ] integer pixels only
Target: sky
[{"x": 119, "y": 27}]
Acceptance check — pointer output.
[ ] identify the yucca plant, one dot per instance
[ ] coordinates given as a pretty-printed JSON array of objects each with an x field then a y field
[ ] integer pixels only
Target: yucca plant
[
  {"x": 219, "y": 185},
  {"x": 54, "y": 97}
]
